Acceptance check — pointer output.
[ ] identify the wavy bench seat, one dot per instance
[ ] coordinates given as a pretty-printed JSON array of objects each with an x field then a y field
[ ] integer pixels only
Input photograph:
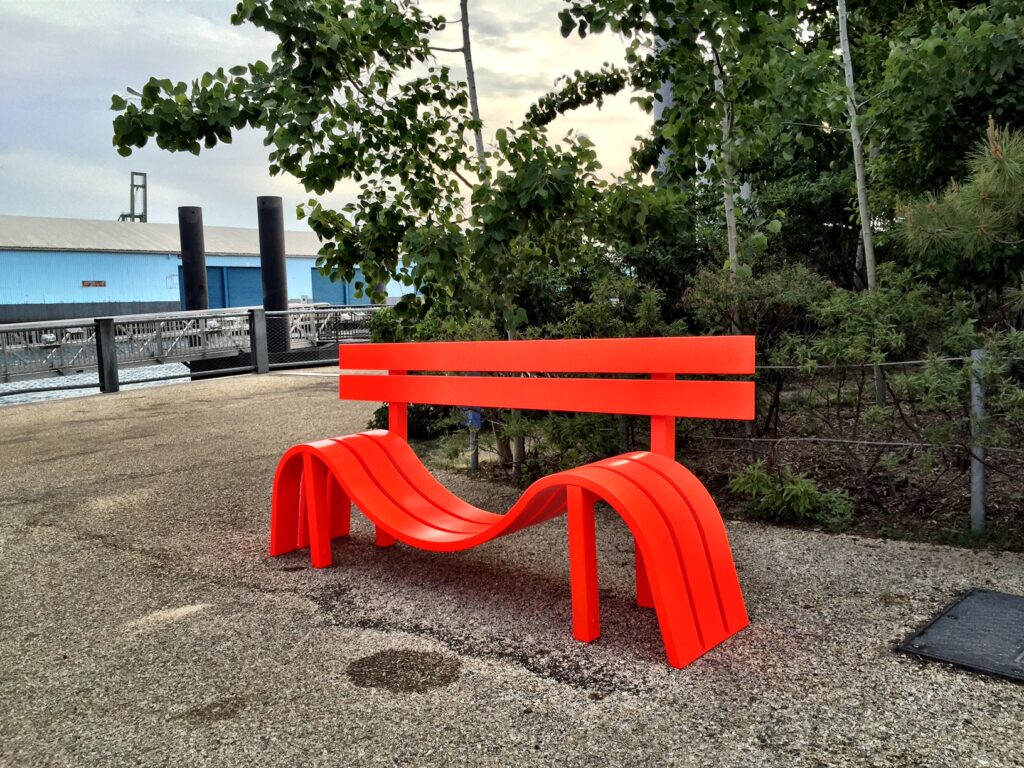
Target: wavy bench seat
[{"x": 684, "y": 566}]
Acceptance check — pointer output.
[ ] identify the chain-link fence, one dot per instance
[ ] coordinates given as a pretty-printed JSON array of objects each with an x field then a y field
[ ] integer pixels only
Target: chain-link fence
[{"x": 311, "y": 336}]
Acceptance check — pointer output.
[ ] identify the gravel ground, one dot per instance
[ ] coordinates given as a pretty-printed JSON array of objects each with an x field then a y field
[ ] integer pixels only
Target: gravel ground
[{"x": 142, "y": 623}]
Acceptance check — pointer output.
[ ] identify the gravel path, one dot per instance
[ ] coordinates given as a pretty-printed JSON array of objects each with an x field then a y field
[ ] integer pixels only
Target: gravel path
[{"x": 142, "y": 623}]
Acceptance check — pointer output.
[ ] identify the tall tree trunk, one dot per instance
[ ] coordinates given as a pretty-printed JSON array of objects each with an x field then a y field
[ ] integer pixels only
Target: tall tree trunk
[
  {"x": 519, "y": 441},
  {"x": 862, "y": 182},
  {"x": 474, "y": 104},
  {"x": 858, "y": 150},
  {"x": 514, "y": 450},
  {"x": 858, "y": 267},
  {"x": 732, "y": 235},
  {"x": 729, "y": 198},
  {"x": 729, "y": 191}
]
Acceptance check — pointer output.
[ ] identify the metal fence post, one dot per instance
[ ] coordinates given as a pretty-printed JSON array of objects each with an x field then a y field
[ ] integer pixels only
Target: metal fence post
[
  {"x": 201, "y": 325},
  {"x": 258, "y": 352},
  {"x": 106, "y": 354},
  {"x": 977, "y": 437},
  {"x": 160, "y": 341},
  {"x": 3, "y": 357}
]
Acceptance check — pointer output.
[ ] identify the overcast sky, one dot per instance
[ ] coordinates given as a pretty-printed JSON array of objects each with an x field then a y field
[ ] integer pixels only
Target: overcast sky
[{"x": 63, "y": 58}]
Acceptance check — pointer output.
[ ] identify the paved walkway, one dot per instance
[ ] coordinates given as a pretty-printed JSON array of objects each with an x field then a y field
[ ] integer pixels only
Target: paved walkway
[{"x": 142, "y": 623}]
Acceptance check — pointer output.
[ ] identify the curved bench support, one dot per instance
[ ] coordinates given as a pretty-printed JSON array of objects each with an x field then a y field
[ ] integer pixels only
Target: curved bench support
[{"x": 684, "y": 564}]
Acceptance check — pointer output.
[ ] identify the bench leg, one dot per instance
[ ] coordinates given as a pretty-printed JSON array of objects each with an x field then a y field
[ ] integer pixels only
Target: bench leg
[
  {"x": 644, "y": 598},
  {"x": 284, "y": 507},
  {"x": 340, "y": 507},
  {"x": 303, "y": 533},
  {"x": 586, "y": 617},
  {"x": 314, "y": 482},
  {"x": 383, "y": 538}
]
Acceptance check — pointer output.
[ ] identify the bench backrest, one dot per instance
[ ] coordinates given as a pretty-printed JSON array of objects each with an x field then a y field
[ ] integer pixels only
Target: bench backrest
[{"x": 661, "y": 396}]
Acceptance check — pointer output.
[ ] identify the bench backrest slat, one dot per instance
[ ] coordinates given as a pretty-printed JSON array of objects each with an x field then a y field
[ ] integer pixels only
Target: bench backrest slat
[
  {"x": 723, "y": 355},
  {"x": 693, "y": 399},
  {"x": 655, "y": 392}
]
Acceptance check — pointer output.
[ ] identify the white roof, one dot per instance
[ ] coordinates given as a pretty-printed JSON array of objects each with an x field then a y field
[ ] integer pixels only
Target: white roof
[{"x": 45, "y": 234}]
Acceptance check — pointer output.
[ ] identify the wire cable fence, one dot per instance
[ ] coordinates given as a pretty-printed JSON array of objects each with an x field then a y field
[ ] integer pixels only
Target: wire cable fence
[{"x": 942, "y": 433}]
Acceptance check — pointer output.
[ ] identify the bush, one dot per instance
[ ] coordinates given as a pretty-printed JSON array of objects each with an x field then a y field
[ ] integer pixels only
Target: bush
[
  {"x": 427, "y": 422},
  {"x": 787, "y": 497},
  {"x": 386, "y": 326}
]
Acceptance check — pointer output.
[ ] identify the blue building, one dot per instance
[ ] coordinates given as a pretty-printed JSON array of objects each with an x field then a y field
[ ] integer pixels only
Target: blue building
[{"x": 70, "y": 268}]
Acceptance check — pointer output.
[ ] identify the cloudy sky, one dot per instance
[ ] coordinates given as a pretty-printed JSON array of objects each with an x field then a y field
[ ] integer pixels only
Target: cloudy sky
[{"x": 63, "y": 58}]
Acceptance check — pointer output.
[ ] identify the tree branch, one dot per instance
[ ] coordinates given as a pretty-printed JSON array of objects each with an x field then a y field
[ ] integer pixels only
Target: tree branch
[{"x": 462, "y": 178}]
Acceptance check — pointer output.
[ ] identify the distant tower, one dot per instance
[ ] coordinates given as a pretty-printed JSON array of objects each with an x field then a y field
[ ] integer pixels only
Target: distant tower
[{"x": 138, "y": 184}]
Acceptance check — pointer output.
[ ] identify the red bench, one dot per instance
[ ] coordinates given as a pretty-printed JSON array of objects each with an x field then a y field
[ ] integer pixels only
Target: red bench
[{"x": 684, "y": 567}]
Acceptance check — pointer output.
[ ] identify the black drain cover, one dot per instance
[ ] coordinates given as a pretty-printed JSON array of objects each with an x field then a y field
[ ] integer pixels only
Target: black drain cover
[{"x": 983, "y": 631}]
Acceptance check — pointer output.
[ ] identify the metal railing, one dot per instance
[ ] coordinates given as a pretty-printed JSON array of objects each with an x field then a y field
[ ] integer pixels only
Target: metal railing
[
  {"x": 97, "y": 353},
  {"x": 304, "y": 336},
  {"x": 180, "y": 338},
  {"x": 30, "y": 349},
  {"x": 328, "y": 326}
]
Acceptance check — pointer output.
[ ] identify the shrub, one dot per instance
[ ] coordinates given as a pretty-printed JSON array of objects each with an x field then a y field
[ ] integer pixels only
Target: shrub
[
  {"x": 787, "y": 497},
  {"x": 426, "y": 422}
]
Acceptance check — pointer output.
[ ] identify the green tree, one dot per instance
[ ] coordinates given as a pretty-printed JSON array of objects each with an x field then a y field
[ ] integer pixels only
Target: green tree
[
  {"x": 733, "y": 74},
  {"x": 973, "y": 233},
  {"x": 352, "y": 91},
  {"x": 946, "y": 68}
]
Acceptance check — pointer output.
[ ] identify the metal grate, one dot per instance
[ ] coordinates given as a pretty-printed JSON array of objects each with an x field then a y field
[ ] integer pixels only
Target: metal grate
[{"x": 983, "y": 631}]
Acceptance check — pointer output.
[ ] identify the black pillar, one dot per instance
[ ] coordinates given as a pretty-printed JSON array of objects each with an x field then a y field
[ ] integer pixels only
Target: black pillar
[
  {"x": 193, "y": 257},
  {"x": 258, "y": 341},
  {"x": 270, "y": 215},
  {"x": 106, "y": 354}
]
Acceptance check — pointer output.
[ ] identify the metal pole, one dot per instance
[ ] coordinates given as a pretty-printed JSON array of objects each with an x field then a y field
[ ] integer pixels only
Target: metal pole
[
  {"x": 3, "y": 356},
  {"x": 193, "y": 257},
  {"x": 145, "y": 198},
  {"x": 474, "y": 450},
  {"x": 879, "y": 385},
  {"x": 106, "y": 354},
  {"x": 474, "y": 420},
  {"x": 977, "y": 438},
  {"x": 160, "y": 341},
  {"x": 202, "y": 337},
  {"x": 258, "y": 352},
  {"x": 273, "y": 270}
]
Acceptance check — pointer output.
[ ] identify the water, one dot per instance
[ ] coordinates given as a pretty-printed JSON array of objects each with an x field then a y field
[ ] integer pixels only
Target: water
[{"x": 126, "y": 376}]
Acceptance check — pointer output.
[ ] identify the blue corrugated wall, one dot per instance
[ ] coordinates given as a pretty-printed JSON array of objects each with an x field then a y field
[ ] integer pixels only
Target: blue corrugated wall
[{"x": 57, "y": 277}]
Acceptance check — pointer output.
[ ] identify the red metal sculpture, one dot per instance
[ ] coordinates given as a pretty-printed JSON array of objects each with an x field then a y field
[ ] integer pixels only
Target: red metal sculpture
[{"x": 684, "y": 567}]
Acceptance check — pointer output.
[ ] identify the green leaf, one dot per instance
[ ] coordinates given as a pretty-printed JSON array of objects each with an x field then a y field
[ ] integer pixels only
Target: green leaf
[{"x": 283, "y": 139}]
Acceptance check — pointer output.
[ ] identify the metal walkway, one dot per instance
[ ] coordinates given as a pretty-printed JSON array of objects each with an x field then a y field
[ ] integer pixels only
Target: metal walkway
[{"x": 65, "y": 354}]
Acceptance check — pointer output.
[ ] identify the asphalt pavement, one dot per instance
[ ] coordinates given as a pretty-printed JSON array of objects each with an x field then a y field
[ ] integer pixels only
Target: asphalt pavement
[{"x": 143, "y": 623}]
